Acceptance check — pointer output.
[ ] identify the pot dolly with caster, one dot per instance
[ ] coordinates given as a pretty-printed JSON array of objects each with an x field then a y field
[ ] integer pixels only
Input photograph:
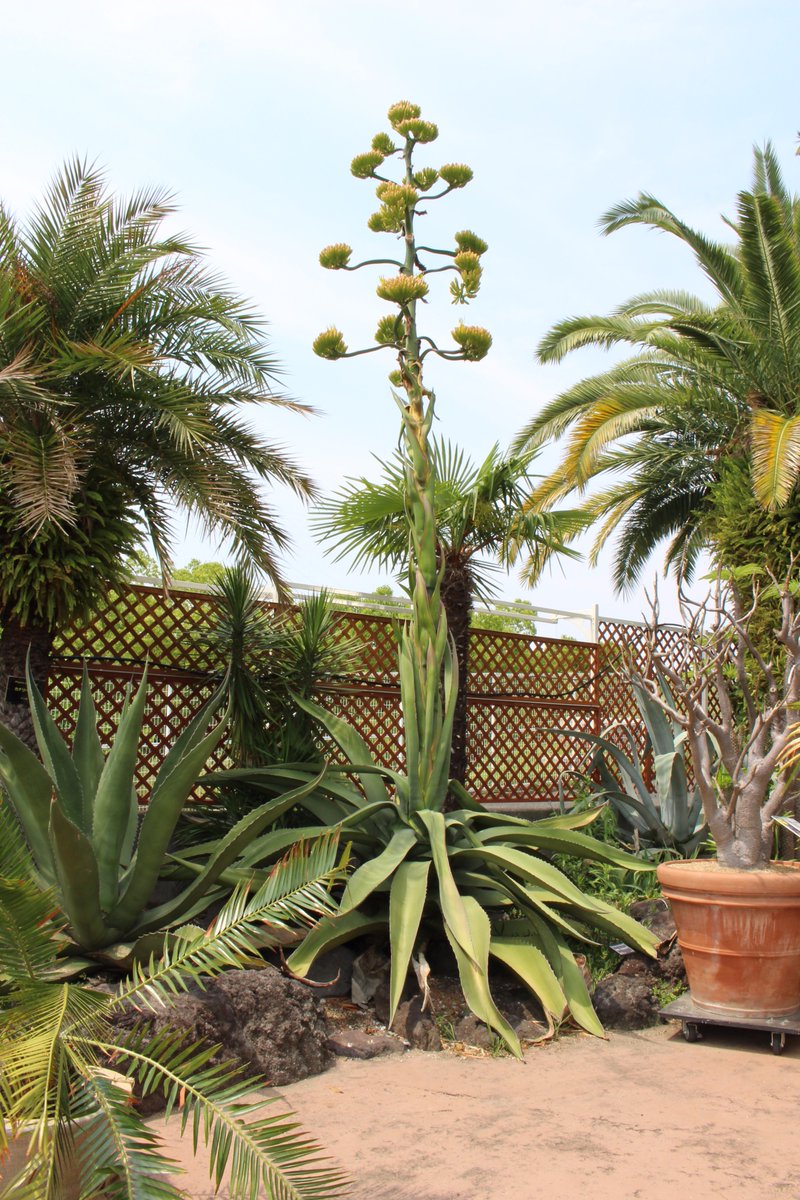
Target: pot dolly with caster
[{"x": 694, "y": 1017}]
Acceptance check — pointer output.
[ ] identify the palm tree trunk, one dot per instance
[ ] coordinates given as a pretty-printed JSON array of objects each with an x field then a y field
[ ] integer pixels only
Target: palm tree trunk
[
  {"x": 457, "y": 590},
  {"x": 16, "y": 643}
]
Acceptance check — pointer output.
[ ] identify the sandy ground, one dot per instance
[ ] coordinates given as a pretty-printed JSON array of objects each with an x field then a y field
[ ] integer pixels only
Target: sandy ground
[{"x": 640, "y": 1115}]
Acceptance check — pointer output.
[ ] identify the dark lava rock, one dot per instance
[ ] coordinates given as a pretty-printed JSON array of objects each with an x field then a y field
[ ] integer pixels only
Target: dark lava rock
[
  {"x": 417, "y": 1027},
  {"x": 357, "y": 1043},
  {"x": 335, "y": 970},
  {"x": 370, "y": 972},
  {"x": 671, "y": 966},
  {"x": 473, "y": 1032},
  {"x": 656, "y": 916},
  {"x": 532, "y": 1031},
  {"x": 381, "y": 997},
  {"x": 271, "y": 1024},
  {"x": 625, "y": 1002}
]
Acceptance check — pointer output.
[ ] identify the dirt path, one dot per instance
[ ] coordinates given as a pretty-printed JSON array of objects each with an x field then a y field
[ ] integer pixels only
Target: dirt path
[{"x": 641, "y": 1115}]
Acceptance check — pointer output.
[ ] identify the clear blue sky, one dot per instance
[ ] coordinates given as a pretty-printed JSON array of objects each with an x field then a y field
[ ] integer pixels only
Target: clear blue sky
[{"x": 251, "y": 111}]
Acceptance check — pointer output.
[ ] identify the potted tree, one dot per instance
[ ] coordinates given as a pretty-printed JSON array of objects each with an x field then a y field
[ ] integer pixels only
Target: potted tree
[{"x": 736, "y": 695}]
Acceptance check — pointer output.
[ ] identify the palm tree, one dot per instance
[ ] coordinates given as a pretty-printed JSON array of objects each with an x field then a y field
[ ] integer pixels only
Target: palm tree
[
  {"x": 124, "y": 366},
  {"x": 708, "y": 383},
  {"x": 480, "y": 529}
]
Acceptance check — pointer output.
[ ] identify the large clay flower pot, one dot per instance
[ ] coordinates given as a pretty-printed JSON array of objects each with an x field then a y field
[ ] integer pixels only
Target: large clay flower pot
[{"x": 739, "y": 932}]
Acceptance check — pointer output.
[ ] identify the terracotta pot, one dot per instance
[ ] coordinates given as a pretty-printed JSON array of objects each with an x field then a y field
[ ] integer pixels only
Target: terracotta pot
[{"x": 739, "y": 932}]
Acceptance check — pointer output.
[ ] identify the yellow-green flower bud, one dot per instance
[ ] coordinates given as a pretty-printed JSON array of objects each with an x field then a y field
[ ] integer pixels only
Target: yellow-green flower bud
[
  {"x": 402, "y": 289},
  {"x": 330, "y": 344},
  {"x": 390, "y": 331},
  {"x": 401, "y": 195},
  {"x": 467, "y": 240},
  {"x": 396, "y": 378},
  {"x": 383, "y": 144},
  {"x": 363, "y": 165},
  {"x": 456, "y": 175},
  {"x": 426, "y": 178},
  {"x": 467, "y": 287},
  {"x": 404, "y": 110},
  {"x": 420, "y": 131},
  {"x": 385, "y": 221},
  {"x": 333, "y": 258},
  {"x": 467, "y": 260},
  {"x": 473, "y": 340}
]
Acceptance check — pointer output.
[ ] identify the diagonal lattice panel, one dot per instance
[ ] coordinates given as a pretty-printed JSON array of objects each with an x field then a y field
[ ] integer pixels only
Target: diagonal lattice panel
[
  {"x": 508, "y": 664},
  {"x": 515, "y": 757},
  {"x": 172, "y": 701},
  {"x": 519, "y": 687}
]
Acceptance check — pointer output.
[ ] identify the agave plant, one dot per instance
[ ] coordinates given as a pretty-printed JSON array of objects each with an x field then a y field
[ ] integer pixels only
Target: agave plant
[
  {"x": 80, "y": 815},
  {"x": 56, "y": 1037},
  {"x": 480, "y": 876},
  {"x": 406, "y": 836},
  {"x": 669, "y": 818}
]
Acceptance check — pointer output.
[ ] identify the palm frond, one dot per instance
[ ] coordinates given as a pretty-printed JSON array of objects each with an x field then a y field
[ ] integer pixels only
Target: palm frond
[{"x": 296, "y": 892}]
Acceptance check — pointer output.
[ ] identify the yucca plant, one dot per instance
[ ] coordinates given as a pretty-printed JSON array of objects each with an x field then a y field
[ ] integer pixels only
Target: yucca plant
[
  {"x": 668, "y": 816},
  {"x": 56, "y": 1038},
  {"x": 80, "y": 815},
  {"x": 272, "y": 657}
]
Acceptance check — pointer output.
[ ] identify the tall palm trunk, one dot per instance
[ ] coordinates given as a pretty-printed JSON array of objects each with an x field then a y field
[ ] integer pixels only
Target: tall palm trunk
[
  {"x": 17, "y": 642},
  {"x": 457, "y": 591}
]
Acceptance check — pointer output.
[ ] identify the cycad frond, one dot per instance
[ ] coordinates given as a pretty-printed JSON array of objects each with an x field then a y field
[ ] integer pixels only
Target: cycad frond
[
  {"x": 296, "y": 892},
  {"x": 259, "y": 1152}
]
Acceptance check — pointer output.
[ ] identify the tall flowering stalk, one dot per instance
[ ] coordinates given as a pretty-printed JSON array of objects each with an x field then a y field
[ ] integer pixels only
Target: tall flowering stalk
[{"x": 428, "y": 671}]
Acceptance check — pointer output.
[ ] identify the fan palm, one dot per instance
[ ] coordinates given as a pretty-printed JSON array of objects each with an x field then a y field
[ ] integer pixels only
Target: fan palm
[
  {"x": 480, "y": 528},
  {"x": 124, "y": 366},
  {"x": 55, "y": 1038},
  {"x": 708, "y": 382}
]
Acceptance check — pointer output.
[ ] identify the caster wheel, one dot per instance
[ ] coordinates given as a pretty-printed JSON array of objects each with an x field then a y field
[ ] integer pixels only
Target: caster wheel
[
  {"x": 691, "y": 1031},
  {"x": 777, "y": 1043}
]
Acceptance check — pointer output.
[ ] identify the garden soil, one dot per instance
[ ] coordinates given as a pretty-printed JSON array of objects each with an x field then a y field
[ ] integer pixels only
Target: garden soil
[{"x": 640, "y": 1115}]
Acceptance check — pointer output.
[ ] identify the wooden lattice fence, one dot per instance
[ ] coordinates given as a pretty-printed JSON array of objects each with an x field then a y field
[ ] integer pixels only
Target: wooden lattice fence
[{"x": 522, "y": 690}]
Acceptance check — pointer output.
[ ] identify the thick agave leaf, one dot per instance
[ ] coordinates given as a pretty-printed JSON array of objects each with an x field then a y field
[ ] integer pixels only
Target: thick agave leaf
[
  {"x": 56, "y": 758},
  {"x": 110, "y": 807},
  {"x": 660, "y": 728},
  {"x": 565, "y": 841},
  {"x": 78, "y": 882},
  {"x": 353, "y": 745},
  {"x": 366, "y": 879},
  {"x": 332, "y": 932},
  {"x": 406, "y": 905},
  {"x": 530, "y": 964},
  {"x": 29, "y": 788},
  {"x": 673, "y": 793},
  {"x": 87, "y": 752},
  {"x": 227, "y": 851},
  {"x": 450, "y": 899},
  {"x": 473, "y": 971},
  {"x": 569, "y": 974},
  {"x": 163, "y": 810}
]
